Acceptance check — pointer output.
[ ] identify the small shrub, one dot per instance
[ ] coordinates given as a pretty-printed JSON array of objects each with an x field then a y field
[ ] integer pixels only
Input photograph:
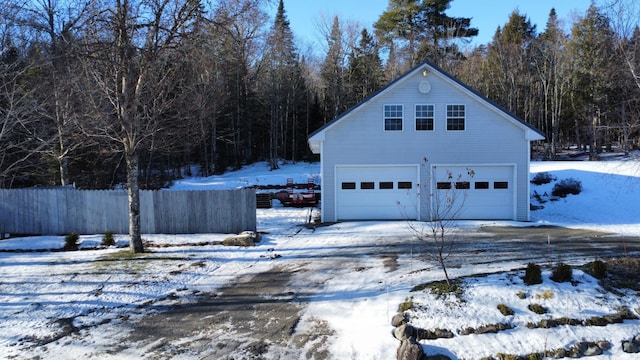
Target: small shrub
[
  {"x": 547, "y": 324},
  {"x": 502, "y": 356},
  {"x": 441, "y": 289},
  {"x": 548, "y": 294},
  {"x": 107, "y": 239},
  {"x": 539, "y": 198},
  {"x": 532, "y": 275},
  {"x": 535, "y": 356},
  {"x": 561, "y": 273},
  {"x": 567, "y": 186},
  {"x": 599, "y": 269},
  {"x": 543, "y": 178},
  {"x": 505, "y": 310},
  {"x": 71, "y": 242},
  {"x": 537, "y": 308},
  {"x": 407, "y": 304},
  {"x": 521, "y": 295}
]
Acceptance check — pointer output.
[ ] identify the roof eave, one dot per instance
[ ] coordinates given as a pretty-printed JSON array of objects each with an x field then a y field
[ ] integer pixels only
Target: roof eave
[
  {"x": 315, "y": 146},
  {"x": 533, "y": 135}
]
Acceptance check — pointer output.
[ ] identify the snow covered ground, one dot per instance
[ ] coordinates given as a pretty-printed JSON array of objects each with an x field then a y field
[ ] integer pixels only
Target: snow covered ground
[{"x": 63, "y": 305}]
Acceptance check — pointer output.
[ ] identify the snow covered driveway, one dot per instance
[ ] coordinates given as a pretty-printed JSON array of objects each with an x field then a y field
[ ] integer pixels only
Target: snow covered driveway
[{"x": 325, "y": 293}]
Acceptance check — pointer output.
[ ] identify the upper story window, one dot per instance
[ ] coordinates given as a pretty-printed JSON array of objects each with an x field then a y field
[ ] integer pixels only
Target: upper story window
[
  {"x": 393, "y": 117},
  {"x": 455, "y": 117},
  {"x": 424, "y": 117}
]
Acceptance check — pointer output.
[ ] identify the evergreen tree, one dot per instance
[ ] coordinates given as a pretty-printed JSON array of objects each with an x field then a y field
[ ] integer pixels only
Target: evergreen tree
[
  {"x": 592, "y": 51},
  {"x": 285, "y": 86},
  {"x": 365, "y": 69},
  {"x": 332, "y": 73},
  {"x": 509, "y": 63},
  {"x": 235, "y": 37},
  {"x": 424, "y": 29}
]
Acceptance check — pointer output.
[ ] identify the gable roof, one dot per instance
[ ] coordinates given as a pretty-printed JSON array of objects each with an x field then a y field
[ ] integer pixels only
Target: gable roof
[{"x": 315, "y": 138}]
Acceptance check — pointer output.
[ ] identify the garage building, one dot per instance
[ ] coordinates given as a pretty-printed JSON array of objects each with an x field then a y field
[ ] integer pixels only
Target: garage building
[{"x": 425, "y": 146}]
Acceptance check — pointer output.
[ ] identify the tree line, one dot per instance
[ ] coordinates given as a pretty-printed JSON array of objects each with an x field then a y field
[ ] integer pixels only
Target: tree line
[{"x": 98, "y": 93}]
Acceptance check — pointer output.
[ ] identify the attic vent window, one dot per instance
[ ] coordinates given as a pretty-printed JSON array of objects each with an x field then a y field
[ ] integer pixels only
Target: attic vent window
[{"x": 393, "y": 117}]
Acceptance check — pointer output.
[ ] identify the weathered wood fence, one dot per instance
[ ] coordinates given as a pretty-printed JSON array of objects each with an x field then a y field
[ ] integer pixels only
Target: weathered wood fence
[{"x": 62, "y": 211}]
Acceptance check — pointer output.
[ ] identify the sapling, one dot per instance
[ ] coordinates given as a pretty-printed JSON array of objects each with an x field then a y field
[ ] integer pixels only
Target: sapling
[{"x": 444, "y": 204}]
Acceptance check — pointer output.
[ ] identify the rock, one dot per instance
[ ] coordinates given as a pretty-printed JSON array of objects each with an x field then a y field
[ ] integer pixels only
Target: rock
[
  {"x": 604, "y": 345},
  {"x": 636, "y": 340},
  {"x": 559, "y": 354},
  {"x": 579, "y": 348},
  {"x": 404, "y": 332},
  {"x": 592, "y": 350},
  {"x": 443, "y": 334},
  {"x": 422, "y": 334},
  {"x": 398, "y": 319},
  {"x": 410, "y": 350},
  {"x": 487, "y": 329},
  {"x": 630, "y": 347},
  {"x": 246, "y": 238}
]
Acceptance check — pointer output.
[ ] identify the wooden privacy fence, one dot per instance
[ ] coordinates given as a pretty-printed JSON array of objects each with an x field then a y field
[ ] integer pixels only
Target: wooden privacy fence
[{"x": 62, "y": 211}]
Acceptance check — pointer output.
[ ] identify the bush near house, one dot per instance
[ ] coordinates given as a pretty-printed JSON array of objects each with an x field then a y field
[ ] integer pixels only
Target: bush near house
[
  {"x": 543, "y": 178},
  {"x": 532, "y": 275},
  {"x": 107, "y": 239},
  {"x": 565, "y": 187},
  {"x": 562, "y": 273},
  {"x": 71, "y": 242}
]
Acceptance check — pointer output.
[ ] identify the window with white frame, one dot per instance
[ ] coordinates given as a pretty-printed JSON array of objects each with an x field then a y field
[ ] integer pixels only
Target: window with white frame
[
  {"x": 455, "y": 117},
  {"x": 393, "y": 117},
  {"x": 424, "y": 117}
]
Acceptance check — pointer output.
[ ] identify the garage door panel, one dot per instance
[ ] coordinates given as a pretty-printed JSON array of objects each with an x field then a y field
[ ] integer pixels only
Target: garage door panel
[
  {"x": 354, "y": 202},
  {"x": 490, "y": 194},
  {"x": 378, "y": 212}
]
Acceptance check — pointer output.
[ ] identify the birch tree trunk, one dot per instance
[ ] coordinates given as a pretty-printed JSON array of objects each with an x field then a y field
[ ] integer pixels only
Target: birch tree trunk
[{"x": 133, "y": 192}]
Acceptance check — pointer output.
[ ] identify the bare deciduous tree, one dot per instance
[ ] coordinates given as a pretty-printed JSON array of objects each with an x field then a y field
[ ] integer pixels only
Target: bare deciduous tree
[
  {"x": 23, "y": 136},
  {"x": 624, "y": 15},
  {"x": 58, "y": 22},
  {"x": 552, "y": 69},
  {"x": 444, "y": 205},
  {"x": 129, "y": 46}
]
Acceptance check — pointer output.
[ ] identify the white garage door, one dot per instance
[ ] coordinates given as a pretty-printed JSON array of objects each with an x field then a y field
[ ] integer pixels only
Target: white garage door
[
  {"x": 481, "y": 192},
  {"x": 377, "y": 192}
]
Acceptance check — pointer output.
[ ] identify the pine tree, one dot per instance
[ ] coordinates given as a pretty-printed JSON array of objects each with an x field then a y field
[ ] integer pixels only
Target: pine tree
[
  {"x": 423, "y": 29},
  {"x": 365, "y": 69},
  {"x": 591, "y": 48},
  {"x": 284, "y": 86},
  {"x": 509, "y": 62},
  {"x": 332, "y": 73}
]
